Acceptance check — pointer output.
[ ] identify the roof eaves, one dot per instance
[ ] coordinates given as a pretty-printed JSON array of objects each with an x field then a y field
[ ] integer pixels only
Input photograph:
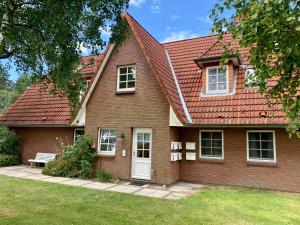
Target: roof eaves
[{"x": 185, "y": 109}]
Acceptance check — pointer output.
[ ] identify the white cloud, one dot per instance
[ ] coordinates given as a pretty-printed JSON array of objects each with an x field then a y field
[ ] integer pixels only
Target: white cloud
[
  {"x": 174, "y": 17},
  {"x": 83, "y": 49},
  {"x": 136, "y": 3},
  {"x": 205, "y": 19},
  {"x": 155, "y": 7},
  {"x": 106, "y": 31},
  {"x": 179, "y": 35}
]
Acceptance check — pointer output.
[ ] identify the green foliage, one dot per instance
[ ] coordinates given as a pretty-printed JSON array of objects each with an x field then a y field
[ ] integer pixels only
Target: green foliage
[
  {"x": 8, "y": 160},
  {"x": 81, "y": 155},
  {"x": 9, "y": 142},
  {"x": 22, "y": 83},
  {"x": 86, "y": 170},
  {"x": 46, "y": 37},
  {"x": 6, "y": 99},
  {"x": 60, "y": 168},
  {"x": 271, "y": 30},
  {"x": 9, "y": 91},
  {"x": 104, "y": 176},
  {"x": 76, "y": 161},
  {"x": 5, "y": 82}
]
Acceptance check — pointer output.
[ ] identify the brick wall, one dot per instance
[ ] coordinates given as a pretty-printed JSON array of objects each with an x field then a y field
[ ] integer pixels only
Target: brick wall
[
  {"x": 34, "y": 140},
  {"x": 235, "y": 170},
  {"x": 146, "y": 108}
]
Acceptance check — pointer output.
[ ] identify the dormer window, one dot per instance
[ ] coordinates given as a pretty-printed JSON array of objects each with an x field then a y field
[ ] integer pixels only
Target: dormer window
[
  {"x": 216, "y": 81},
  {"x": 126, "y": 78},
  {"x": 250, "y": 79}
]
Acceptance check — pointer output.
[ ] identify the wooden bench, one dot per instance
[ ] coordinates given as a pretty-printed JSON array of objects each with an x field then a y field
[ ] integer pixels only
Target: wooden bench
[{"x": 42, "y": 158}]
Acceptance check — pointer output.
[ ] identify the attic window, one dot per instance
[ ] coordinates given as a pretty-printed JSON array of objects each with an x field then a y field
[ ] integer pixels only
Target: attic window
[
  {"x": 126, "y": 78},
  {"x": 250, "y": 79},
  {"x": 216, "y": 81}
]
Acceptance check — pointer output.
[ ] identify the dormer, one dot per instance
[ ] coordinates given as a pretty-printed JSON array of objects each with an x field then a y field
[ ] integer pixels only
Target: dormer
[{"x": 217, "y": 79}]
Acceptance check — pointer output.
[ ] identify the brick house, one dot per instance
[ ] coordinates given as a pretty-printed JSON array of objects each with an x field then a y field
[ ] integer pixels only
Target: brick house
[{"x": 165, "y": 112}]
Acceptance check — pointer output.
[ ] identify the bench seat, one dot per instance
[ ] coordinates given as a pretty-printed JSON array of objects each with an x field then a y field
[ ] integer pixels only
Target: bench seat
[{"x": 42, "y": 158}]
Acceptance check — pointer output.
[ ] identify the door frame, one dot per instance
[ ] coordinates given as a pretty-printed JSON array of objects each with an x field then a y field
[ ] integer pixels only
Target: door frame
[{"x": 134, "y": 152}]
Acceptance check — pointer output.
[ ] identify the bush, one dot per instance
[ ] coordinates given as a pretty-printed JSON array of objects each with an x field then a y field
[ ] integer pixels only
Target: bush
[
  {"x": 60, "y": 168},
  {"x": 76, "y": 161},
  {"x": 86, "y": 170},
  {"x": 104, "y": 176},
  {"x": 8, "y": 160},
  {"x": 9, "y": 142},
  {"x": 81, "y": 155}
]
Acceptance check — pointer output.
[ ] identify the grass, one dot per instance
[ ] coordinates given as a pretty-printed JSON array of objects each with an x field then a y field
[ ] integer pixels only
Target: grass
[{"x": 35, "y": 202}]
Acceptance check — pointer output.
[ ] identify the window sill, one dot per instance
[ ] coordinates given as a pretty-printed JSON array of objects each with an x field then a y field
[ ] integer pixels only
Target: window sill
[
  {"x": 256, "y": 163},
  {"x": 208, "y": 160},
  {"x": 106, "y": 155},
  {"x": 125, "y": 92}
]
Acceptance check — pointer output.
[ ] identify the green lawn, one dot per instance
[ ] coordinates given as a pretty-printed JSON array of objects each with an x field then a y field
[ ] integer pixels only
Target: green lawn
[{"x": 33, "y": 202}]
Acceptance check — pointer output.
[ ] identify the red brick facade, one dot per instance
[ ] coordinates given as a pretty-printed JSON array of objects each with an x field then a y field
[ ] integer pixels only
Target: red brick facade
[
  {"x": 235, "y": 170},
  {"x": 147, "y": 107},
  {"x": 43, "y": 139}
]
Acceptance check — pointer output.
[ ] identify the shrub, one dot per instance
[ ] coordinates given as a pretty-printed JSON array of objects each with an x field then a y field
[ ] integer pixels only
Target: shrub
[
  {"x": 82, "y": 155},
  {"x": 9, "y": 142},
  {"x": 8, "y": 160},
  {"x": 104, "y": 176},
  {"x": 86, "y": 170},
  {"x": 60, "y": 168}
]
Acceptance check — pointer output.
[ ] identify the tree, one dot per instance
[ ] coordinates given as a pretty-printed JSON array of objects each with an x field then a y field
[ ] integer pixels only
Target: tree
[
  {"x": 44, "y": 37},
  {"x": 7, "y": 94},
  {"x": 5, "y": 83},
  {"x": 271, "y": 29},
  {"x": 22, "y": 83}
]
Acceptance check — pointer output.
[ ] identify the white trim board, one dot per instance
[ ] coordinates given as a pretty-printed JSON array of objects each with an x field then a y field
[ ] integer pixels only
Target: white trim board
[
  {"x": 91, "y": 89},
  {"x": 185, "y": 109}
]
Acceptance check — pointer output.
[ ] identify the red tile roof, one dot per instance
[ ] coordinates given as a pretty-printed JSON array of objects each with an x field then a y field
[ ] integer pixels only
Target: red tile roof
[
  {"x": 158, "y": 61},
  {"x": 36, "y": 106},
  {"x": 91, "y": 64},
  {"x": 245, "y": 107}
]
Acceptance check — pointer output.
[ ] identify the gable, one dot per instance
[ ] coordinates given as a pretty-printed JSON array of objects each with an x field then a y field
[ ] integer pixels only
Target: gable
[{"x": 107, "y": 105}]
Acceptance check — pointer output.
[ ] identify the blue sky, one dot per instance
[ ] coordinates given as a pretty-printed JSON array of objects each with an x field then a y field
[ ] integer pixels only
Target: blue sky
[{"x": 168, "y": 20}]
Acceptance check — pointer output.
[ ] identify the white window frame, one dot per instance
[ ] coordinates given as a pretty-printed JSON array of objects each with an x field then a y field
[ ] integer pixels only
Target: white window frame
[
  {"x": 226, "y": 76},
  {"x": 118, "y": 79},
  {"x": 99, "y": 143},
  {"x": 274, "y": 146},
  {"x": 207, "y": 157},
  {"x": 74, "y": 135}
]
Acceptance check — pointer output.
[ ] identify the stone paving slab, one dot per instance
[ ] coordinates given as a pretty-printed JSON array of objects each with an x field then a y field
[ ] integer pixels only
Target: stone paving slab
[
  {"x": 56, "y": 179},
  {"x": 20, "y": 174},
  {"x": 148, "y": 192},
  {"x": 174, "y": 192},
  {"x": 98, "y": 185},
  {"x": 125, "y": 188},
  {"x": 77, "y": 182},
  {"x": 176, "y": 196}
]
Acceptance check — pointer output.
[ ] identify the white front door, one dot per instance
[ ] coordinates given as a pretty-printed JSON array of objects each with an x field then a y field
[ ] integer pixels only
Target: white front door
[{"x": 141, "y": 153}]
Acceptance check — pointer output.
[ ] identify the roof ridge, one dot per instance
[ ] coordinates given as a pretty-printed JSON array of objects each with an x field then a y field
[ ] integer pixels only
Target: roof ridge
[
  {"x": 126, "y": 13},
  {"x": 188, "y": 39},
  {"x": 210, "y": 47}
]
